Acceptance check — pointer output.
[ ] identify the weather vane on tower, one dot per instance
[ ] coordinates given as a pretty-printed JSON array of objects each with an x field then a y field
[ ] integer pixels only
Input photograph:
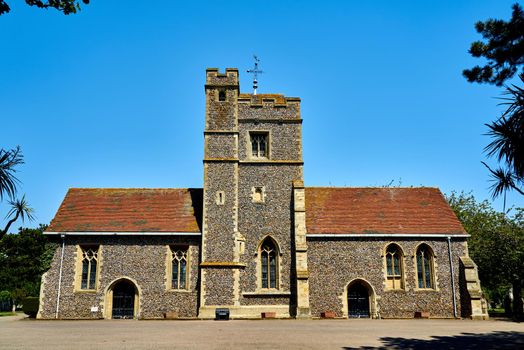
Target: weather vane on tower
[{"x": 255, "y": 71}]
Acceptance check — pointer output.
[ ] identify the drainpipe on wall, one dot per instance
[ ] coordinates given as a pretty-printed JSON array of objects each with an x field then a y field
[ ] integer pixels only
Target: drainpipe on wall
[
  {"x": 60, "y": 276},
  {"x": 452, "y": 279}
]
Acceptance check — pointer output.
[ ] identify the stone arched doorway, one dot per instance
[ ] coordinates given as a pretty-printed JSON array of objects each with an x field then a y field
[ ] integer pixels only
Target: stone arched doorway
[
  {"x": 360, "y": 300},
  {"x": 122, "y": 300}
]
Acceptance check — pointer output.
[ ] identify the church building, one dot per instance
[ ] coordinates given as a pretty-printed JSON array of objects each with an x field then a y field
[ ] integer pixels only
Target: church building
[{"x": 255, "y": 241}]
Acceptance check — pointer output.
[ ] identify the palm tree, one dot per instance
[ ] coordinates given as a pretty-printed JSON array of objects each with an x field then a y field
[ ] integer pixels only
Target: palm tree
[
  {"x": 19, "y": 209},
  {"x": 508, "y": 144},
  {"x": 8, "y": 161},
  {"x": 503, "y": 181}
]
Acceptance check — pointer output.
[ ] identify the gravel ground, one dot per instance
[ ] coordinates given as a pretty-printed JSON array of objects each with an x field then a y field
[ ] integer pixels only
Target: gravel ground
[{"x": 18, "y": 333}]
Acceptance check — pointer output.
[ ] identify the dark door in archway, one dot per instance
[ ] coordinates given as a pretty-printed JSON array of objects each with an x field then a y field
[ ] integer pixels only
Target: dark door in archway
[
  {"x": 358, "y": 301},
  {"x": 123, "y": 300}
]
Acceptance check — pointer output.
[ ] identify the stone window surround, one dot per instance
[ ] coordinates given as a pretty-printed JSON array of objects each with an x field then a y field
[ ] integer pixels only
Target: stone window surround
[
  {"x": 269, "y": 291},
  {"x": 169, "y": 267},
  {"x": 402, "y": 267},
  {"x": 253, "y": 194},
  {"x": 221, "y": 95},
  {"x": 249, "y": 152},
  {"x": 220, "y": 198},
  {"x": 433, "y": 267},
  {"x": 78, "y": 267}
]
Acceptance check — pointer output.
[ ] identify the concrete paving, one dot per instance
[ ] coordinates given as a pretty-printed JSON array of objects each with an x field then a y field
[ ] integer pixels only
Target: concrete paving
[{"x": 18, "y": 333}]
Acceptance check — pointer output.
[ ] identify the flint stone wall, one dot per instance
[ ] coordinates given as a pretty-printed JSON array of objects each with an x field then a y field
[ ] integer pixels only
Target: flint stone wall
[
  {"x": 219, "y": 286},
  {"x": 258, "y": 220},
  {"x": 220, "y": 146},
  {"x": 273, "y": 217},
  {"x": 221, "y": 113},
  {"x": 334, "y": 262},
  {"x": 142, "y": 259},
  {"x": 219, "y": 223},
  {"x": 284, "y": 140},
  {"x": 267, "y": 110}
]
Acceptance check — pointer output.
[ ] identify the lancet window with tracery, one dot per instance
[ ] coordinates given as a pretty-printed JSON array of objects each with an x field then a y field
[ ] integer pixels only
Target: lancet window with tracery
[
  {"x": 425, "y": 267},
  {"x": 269, "y": 264},
  {"x": 179, "y": 268},
  {"x": 394, "y": 258},
  {"x": 89, "y": 267}
]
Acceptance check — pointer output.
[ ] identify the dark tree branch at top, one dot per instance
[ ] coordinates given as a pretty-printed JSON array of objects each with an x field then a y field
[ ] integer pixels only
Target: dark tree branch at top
[
  {"x": 65, "y": 6},
  {"x": 503, "y": 47}
]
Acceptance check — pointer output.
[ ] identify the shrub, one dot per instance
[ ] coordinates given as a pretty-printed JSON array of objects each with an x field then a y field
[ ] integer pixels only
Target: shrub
[{"x": 30, "y": 306}]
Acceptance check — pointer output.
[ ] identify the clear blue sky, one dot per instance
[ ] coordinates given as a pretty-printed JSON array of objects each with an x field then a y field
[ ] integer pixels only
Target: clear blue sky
[{"x": 114, "y": 96}]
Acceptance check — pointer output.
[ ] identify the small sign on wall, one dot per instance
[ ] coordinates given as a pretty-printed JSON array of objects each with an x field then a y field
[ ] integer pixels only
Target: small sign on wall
[{"x": 94, "y": 308}]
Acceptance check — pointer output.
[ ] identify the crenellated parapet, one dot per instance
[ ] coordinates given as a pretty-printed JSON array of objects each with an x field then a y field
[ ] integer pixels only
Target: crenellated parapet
[
  {"x": 268, "y": 100},
  {"x": 215, "y": 79},
  {"x": 268, "y": 108}
]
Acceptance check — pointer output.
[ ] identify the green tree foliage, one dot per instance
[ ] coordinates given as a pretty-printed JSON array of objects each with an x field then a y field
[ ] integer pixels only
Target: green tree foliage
[
  {"x": 503, "y": 48},
  {"x": 507, "y": 145},
  {"x": 9, "y": 159},
  {"x": 24, "y": 257},
  {"x": 496, "y": 245},
  {"x": 65, "y": 6},
  {"x": 19, "y": 209}
]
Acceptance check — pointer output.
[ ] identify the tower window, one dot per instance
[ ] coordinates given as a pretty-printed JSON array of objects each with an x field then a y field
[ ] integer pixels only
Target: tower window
[
  {"x": 221, "y": 95},
  {"x": 220, "y": 198},
  {"x": 259, "y": 144}
]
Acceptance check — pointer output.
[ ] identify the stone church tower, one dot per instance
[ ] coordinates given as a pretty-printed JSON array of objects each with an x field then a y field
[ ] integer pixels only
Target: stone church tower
[{"x": 252, "y": 260}]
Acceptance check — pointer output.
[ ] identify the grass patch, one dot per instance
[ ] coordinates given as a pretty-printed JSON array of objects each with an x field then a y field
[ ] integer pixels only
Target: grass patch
[
  {"x": 7, "y": 313},
  {"x": 497, "y": 312}
]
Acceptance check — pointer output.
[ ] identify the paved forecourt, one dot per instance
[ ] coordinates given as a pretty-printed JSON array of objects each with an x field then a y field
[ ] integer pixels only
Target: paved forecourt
[{"x": 17, "y": 333}]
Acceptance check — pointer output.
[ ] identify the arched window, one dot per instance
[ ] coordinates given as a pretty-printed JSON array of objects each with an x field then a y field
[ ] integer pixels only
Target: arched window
[
  {"x": 394, "y": 268},
  {"x": 179, "y": 267},
  {"x": 425, "y": 268},
  {"x": 89, "y": 267},
  {"x": 269, "y": 264}
]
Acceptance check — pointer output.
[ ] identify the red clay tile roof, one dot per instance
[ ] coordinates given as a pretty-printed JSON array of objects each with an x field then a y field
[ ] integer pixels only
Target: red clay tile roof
[
  {"x": 379, "y": 210},
  {"x": 328, "y": 211},
  {"x": 129, "y": 210}
]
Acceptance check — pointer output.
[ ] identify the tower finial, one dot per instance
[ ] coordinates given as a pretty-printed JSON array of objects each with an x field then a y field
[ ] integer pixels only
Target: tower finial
[{"x": 255, "y": 71}]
